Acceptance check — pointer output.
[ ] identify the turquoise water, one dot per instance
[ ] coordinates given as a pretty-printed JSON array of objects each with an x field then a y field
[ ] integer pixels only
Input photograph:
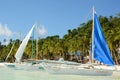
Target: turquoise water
[{"x": 15, "y": 74}]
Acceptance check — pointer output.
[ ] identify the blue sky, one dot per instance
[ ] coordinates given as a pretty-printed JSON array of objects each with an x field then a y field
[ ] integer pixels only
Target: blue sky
[{"x": 55, "y": 17}]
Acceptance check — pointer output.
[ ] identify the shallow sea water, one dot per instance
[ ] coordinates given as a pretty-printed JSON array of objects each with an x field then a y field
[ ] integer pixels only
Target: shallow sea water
[{"x": 15, "y": 74}]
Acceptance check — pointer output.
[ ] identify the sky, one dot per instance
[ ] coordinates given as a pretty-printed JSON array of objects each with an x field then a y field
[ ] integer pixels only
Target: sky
[{"x": 55, "y": 17}]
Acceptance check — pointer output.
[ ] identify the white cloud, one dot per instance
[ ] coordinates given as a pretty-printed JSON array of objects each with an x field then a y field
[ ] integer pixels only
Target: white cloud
[
  {"x": 42, "y": 30},
  {"x": 5, "y": 31}
]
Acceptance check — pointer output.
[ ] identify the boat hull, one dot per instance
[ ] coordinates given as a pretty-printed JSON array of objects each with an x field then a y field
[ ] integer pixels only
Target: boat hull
[{"x": 75, "y": 70}]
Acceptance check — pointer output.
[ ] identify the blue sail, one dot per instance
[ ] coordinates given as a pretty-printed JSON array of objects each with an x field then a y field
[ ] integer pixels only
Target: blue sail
[{"x": 101, "y": 50}]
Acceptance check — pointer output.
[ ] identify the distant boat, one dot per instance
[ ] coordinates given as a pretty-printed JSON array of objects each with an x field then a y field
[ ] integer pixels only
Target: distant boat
[
  {"x": 10, "y": 51},
  {"x": 20, "y": 51},
  {"x": 100, "y": 52},
  {"x": 18, "y": 56}
]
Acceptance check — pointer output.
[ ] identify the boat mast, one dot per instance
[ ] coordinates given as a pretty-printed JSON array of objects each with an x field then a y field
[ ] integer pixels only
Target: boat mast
[
  {"x": 93, "y": 37},
  {"x": 33, "y": 44},
  {"x": 36, "y": 40}
]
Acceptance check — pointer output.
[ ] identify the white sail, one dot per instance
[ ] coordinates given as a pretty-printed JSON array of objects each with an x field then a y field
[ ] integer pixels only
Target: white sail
[
  {"x": 21, "y": 49},
  {"x": 10, "y": 51}
]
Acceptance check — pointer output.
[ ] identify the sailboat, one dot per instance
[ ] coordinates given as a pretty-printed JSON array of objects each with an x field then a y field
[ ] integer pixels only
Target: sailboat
[
  {"x": 6, "y": 63},
  {"x": 18, "y": 56},
  {"x": 100, "y": 52},
  {"x": 19, "y": 53}
]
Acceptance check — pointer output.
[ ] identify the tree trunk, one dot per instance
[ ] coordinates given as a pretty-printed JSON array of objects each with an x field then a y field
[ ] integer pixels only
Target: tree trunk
[{"x": 116, "y": 61}]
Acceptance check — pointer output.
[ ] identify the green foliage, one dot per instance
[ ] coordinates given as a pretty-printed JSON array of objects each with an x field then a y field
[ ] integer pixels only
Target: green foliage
[{"x": 54, "y": 47}]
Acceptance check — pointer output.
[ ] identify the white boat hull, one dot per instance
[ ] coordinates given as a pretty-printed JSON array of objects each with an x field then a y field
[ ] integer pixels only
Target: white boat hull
[
  {"x": 23, "y": 66},
  {"x": 75, "y": 70}
]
